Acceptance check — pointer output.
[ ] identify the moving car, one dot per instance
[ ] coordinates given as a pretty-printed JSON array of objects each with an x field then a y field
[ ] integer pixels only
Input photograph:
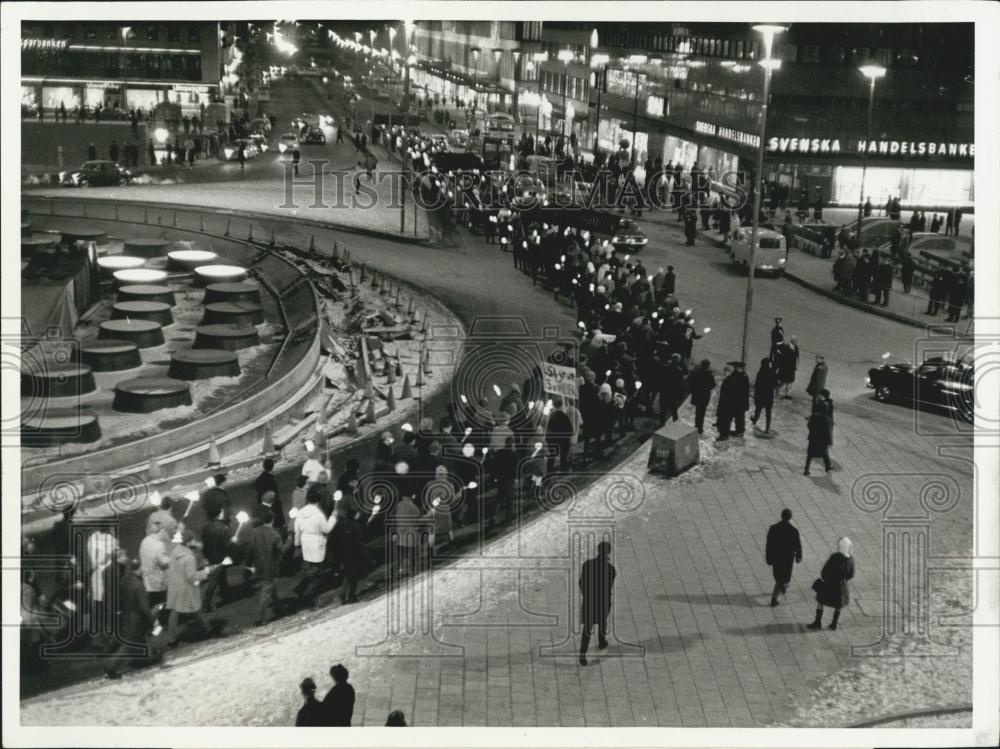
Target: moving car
[
  {"x": 231, "y": 151},
  {"x": 288, "y": 142},
  {"x": 628, "y": 237},
  {"x": 305, "y": 120},
  {"x": 458, "y": 138},
  {"x": 262, "y": 124},
  {"x": 939, "y": 382},
  {"x": 771, "y": 255},
  {"x": 314, "y": 135},
  {"x": 98, "y": 174}
]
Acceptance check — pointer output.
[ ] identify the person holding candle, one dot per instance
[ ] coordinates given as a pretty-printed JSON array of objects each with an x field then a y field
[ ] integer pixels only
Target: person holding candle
[
  {"x": 263, "y": 558},
  {"x": 183, "y": 592},
  {"x": 217, "y": 543},
  {"x": 311, "y": 530}
]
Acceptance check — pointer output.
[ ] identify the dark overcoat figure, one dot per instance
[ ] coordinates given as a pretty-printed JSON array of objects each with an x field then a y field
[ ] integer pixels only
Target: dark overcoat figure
[
  {"x": 783, "y": 550},
  {"x": 734, "y": 400},
  {"x": 597, "y": 581},
  {"x": 831, "y": 587},
  {"x": 764, "y": 385},
  {"x": 817, "y": 382},
  {"x": 819, "y": 440}
]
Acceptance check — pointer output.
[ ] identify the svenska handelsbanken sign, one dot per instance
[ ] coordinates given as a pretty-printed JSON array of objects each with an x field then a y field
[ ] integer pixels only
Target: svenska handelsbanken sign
[{"x": 872, "y": 147}]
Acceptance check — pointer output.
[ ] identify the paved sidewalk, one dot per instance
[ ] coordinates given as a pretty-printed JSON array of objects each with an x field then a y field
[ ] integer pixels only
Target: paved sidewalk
[{"x": 694, "y": 642}]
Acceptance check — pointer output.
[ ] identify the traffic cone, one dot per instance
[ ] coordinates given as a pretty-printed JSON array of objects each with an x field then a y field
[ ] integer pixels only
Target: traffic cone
[
  {"x": 391, "y": 399},
  {"x": 336, "y": 251},
  {"x": 399, "y": 367},
  {"x": 312, "y": 245},
  {"x": 154, "y": 473},
  {"x": 175, "y": 219},
  {"x": 347, "y": 256},
  {"x": 375, "y": 280},
  {"x": 214, "y": 459},
  {"x": 427, "y": 362},
  {"x": 272, "y": 238},
  {"x": 201, "y": 223},
  {"x": 352, "y": 423},
  {"x": 370, "y": 412},
  {"x": 226, "y": 232},
  {"x": 390, "y": 375},
  {"x": 250, "y": 234},
  {"x": 363, "y": 275},
  {"x": 369, "y": 390},
  {"x": 268, "y": 447},
  {"x": 407, "y": 390}
]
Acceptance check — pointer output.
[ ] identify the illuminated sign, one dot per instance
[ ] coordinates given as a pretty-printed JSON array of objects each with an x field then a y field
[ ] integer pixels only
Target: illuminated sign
[
  {"x": 916, "y": 148},
  {"x": 898, "y": 148},
  {"x": 656, "y": 106},
  {"x": 803, "y": 145},
  {"x": 44, "y": 44},
  {"x": 727, "y": 133}
]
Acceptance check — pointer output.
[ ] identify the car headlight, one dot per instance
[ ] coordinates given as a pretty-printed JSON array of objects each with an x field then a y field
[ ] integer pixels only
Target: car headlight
[
  {"x": 616, "y": 240},
  {"x": 62, "y": 176},
  {"x": 228, "y": 152}
]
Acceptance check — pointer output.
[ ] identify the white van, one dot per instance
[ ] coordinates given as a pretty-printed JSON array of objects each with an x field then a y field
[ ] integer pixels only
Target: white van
[{"x": 771, "y": 255}]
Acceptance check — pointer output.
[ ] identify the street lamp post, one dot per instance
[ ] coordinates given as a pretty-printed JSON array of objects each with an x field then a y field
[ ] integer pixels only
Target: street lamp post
[
  {"x": 497, "y": 57},
  {"x": 599, "y": 62},
  {"x": 125, "y": 30},
  {"x": 539, "y": 58},
  {"x": 767, "y": 31},
  {"x": 517, "y": 80},
  {"x": 475, "y": 85},
  {"x": 566, "y": 55},
  {"x": 636, "y": 60},
  {"x": 872, "y": 73},
  {"x": 407, "y": 61}
]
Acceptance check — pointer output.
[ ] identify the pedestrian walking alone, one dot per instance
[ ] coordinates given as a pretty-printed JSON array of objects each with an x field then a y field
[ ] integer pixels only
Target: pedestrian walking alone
[
  {"x": 819, "y": 441},
  {"x": 782, "y": 552},
  {"x": 734, "y": 401},
  {"x": 597, "y": 581},
  {"x": 831, "y": 585}
]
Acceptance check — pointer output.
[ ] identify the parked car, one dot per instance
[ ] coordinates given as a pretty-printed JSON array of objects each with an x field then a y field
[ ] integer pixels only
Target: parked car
[
  {"x": 288, "y": 142},
  {"x": 98, "y": 174},
  {"x": 314, "y": 135},
  {"x": 458, "y": 138},
  {"x": 771, "y": 255},
  {"x": 259, "y": 139},
  {"x": 940, "y": 382},
  {"x": 262, "y": 124}
]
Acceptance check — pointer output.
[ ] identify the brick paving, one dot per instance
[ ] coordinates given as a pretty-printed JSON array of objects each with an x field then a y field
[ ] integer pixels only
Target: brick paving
[{"x": 694, "y": 642}]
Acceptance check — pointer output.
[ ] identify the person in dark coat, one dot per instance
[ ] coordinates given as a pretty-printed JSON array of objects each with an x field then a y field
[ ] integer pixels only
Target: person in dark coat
[
  {"x": 672, "y": 379},
  {"x": 777, "y": 336},
  {"x": 862, "y": 275},
  {"x": 764, "y": 385},
  {"x": 819, "y": 441},
  {"x": 831, "y": 587},
  {"x": 597, "y": 581},
  {"x": 347, "y": 539},
  {"x": 217, "y": 542},
  {"x": 734, "y": 401},
  {"x": 690, "y": 227},
  {"x": 669, "y": 281},
  {"x": 906, "y": 272},
  {"x": 701, "y": 383},
  {"x": 957, "y": 293},
  {"x": 938, "y": 290},
  {"x": 265, "y": 481},
  {"x": 338, "y": 705},
  {"x": 787, "y": 364},
  {"x": 883, "y": 282},
  {"x": 91, "y": 152},
  {"x": 396, "y": 719},
  {"x": 135, "y": 620},
  {"x": 311, "y": 713},
  {"x": 558, "y": 434},
  {"x": 264, "y": 551},
  {"x": 783, "y": 550},
  {"x": 817, "y": 381}
]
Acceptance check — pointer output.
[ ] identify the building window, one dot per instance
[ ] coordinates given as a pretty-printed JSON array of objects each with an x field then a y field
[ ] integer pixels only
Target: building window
[
  {"x": 152, "y": 33},
  {"x": 173, "y": 33},
  {"x": 837, "y": 55},
  {"x": 808, "y": 53},
  {"x": 90, "y": 34},
  {"x": 194, "y": 34}
]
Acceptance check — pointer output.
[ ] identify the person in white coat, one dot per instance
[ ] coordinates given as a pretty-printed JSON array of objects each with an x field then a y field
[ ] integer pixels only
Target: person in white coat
[{"x": 311, "y": 530}]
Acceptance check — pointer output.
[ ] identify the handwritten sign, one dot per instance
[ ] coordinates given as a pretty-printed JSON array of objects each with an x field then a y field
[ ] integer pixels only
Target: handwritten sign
[{"x": 559, "y": 380}]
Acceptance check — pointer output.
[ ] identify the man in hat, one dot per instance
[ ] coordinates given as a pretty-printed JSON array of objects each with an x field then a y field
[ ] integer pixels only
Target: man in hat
[
  {"x": 311, "y": 713},
  {"x": 777, "y": 336},
  {"x": 783, "y": 550},
  {"x": 701, "y": 383},
  {"x": 597, "y": 580},
  {"x": 817, "y": 381}
]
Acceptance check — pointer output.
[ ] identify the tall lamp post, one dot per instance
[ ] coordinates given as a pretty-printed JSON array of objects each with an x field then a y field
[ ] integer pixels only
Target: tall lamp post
[
  {"x": 636, "y": 60},
  {"x": 497, "y": 56},
  {"x": 599, "y": 62},
  {"x": 767, "y": 31},
  {"x": 566, "y": 56},
  {"x": 539, "y": 58},
  {"x": 408, "y": 60},
  {"x": 125, "y": 30},
  {"x": 475, "y": 84},
  {"x": 517, "y": 80},
  {"x": 872, "y": 73}
]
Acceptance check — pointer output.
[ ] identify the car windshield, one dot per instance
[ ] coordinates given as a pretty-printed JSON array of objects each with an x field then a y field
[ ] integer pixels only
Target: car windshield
[
  {"x": 769, "y": 243},
  {"x": 628, "y": 227}
]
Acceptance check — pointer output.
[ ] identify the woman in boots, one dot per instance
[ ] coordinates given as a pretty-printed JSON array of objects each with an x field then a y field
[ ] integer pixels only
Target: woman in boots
[{"x": 831, "y": 589}]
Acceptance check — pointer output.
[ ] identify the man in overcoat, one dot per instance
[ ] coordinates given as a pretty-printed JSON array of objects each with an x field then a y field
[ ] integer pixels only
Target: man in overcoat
[
  {"x": 597, "y": 580},
  {"x": 783, "y": 550}
]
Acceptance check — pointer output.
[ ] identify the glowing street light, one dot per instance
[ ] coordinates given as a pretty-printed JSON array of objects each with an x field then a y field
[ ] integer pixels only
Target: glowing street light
[
  {"x": 872, "y": 73},
  {"x": 767, "y": 32}
]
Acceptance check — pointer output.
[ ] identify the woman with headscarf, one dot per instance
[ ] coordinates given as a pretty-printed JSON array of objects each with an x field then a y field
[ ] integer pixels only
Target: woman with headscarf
[{"x": 831, "y": 586}]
